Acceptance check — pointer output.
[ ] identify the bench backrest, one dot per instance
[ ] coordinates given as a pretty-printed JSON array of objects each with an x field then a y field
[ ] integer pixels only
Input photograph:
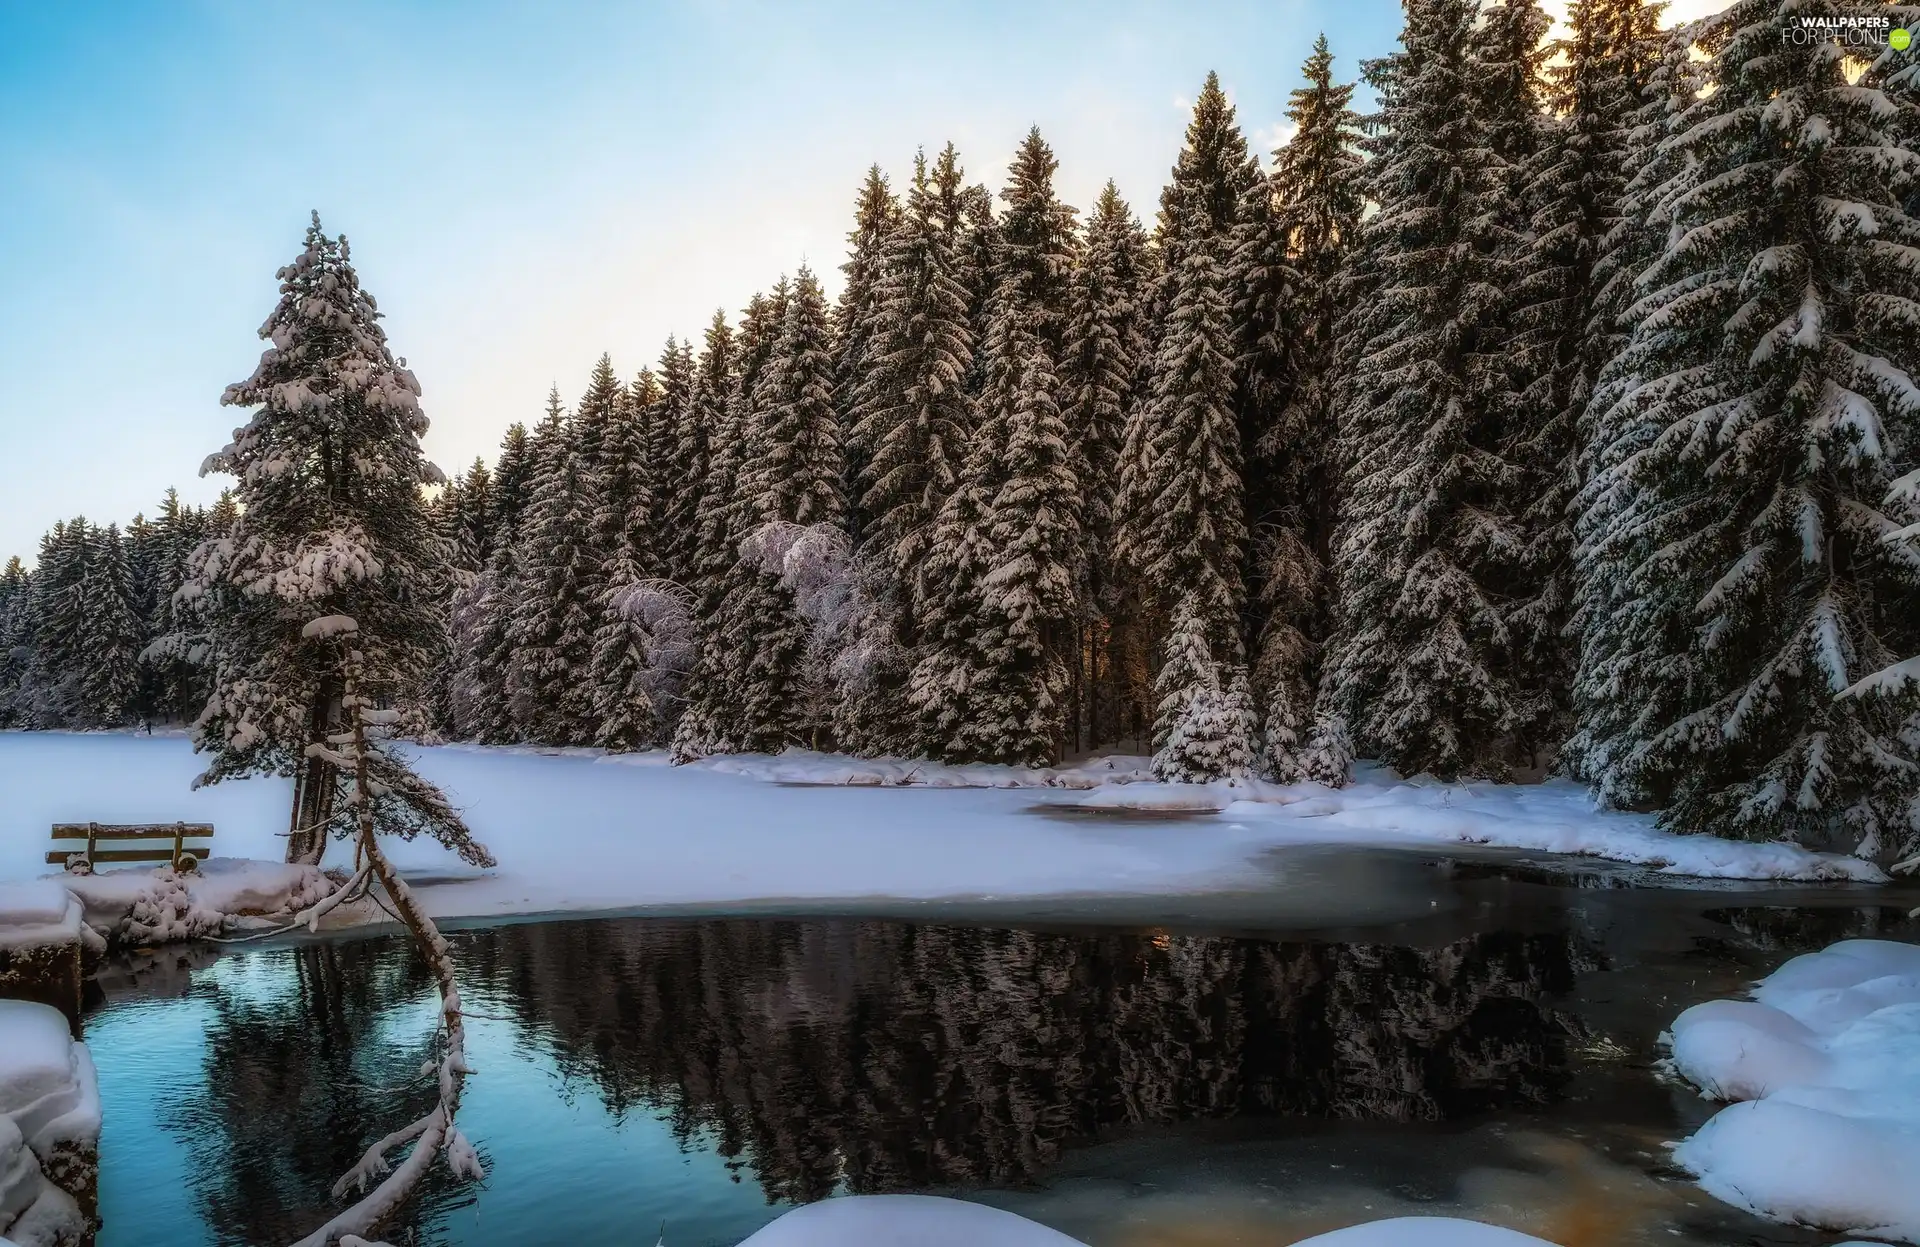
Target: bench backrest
[{"x": 167, "y": 841}]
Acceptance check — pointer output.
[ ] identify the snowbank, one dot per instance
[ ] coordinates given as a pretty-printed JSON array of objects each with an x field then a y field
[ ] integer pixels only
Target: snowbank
[
  {"x": 1825, "y": 1065},
  {"x": 145, "y": 905},
  {"x": 49, "y": 1125},
  {"x": 806, "y": 766},
  {"x": 929, "y": 1221},
  {"x": 577, "y": 831},
  {"x": 1552, "y": 817}
]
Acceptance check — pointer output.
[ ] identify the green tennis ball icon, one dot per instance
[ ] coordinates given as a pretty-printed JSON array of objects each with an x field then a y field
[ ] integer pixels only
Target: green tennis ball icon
[{"x": 1899, "y": 39}]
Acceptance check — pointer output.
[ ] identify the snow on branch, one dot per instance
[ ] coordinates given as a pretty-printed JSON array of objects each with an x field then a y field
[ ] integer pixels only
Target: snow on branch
[
  {"x": 329, "y": 626},
  {"x": 1894, "y": 679}
]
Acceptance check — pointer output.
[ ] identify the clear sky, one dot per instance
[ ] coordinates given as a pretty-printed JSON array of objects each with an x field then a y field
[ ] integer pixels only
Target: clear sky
[{"x": 524, "y": 185}]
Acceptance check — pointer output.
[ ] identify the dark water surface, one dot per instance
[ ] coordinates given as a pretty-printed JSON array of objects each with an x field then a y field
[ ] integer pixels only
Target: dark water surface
[{"x": 1474, "y": 1038}]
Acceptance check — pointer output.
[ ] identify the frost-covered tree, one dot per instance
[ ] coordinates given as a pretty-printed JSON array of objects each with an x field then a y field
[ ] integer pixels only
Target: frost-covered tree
[
  {"x": 912, "y": 419},
  {"x": 1183, "y": 516},
  {"x": 632, "y": 552},
  {"x": 558, "y": 590},
  {"x": 1104, "y": 355},
  {"x": 1000, "y": 600},
  {"x": 1316, "y": 205},
  {"x": 1770, "y": 456},
  {"x": 1420, "y": 662},
  {"x": 59, "y": 655},
  {"x": 329, "y": 529},
  {"x": 111, "y": 633},
  {"x": 726, "y": 585},
  {"x": 1559, "y": 338},
  {"x": 793, "y": 475},
  {"x": 481, "y": 620},
  {"x": 16, "y": 643},
  {"x": 875, "y": 213},
  {"x": 683, "y": 445}
]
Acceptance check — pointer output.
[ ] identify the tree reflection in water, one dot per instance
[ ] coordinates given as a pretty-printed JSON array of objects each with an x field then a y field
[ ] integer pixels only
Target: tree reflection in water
[{"x": 867, "y": 1056}]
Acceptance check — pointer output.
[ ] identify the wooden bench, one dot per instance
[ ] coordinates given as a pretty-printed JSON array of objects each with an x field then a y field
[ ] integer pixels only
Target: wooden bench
[{"x": 173, "y": 849}]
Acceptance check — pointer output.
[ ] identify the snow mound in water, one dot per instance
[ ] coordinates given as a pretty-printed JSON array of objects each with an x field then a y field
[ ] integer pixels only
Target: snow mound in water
[
  {"x": 1825, "y": 1065},
  {"x": 930, "y": 1221},
  {"x": 904, "y": 1221},
  {"x": 1424, "y": 1232}
]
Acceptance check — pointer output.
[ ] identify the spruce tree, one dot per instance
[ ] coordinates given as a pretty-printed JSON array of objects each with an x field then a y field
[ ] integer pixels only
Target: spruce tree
[
  {"x": 1778, "y": 367},
  {"x": 793, "y": 475},
  {"x": 875, "y": 213},
  {"x": 912, "y": 420},
  {"x": 1317, "y": 205},
  {"x": 1184, "y": 524},
  {"x": 54, "y": 697},
  {"x": 482, "y": 618},
  {"x": 16, "y": 643},
  {"x": 558, "y": 589},
  {"x": 683, "y": 449},
  {"x": 1183, "y": 499},
  {"x": 633, "y": 551},
  {"x": 328, "y": 524},
  {"x": 1421, "y": 662},
  {"x": 726, "y": 590},
  {"x": 1559, "y": 340},
  {"x": 1103, "y": 358},
  {"x": 110, "y": 633},
  {"x": 992, "y": 683}
]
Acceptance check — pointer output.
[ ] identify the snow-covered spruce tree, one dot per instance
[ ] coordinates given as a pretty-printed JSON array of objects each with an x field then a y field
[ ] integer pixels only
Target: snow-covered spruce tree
[
  {"x": 53, "y": 683},
  {"x": 16, "y": 642},
  {"x": 875, "y": 213},
  {"x": 1205, "y": 705},
  {"x": 110, "y": 637},
  {"x": 481, "y": 623},
  {"x": 592, "y": 416},
  {"x": 1317, "y": 203},
  {"x": 632, "y": 552},
  {"x": 1000, "y": 602},
  {"x": 793, "y": 475},
  {"x": 558, "y": 593},
  {"x": 1104, "y": 357},
  {"x": 1636, "y": 661},
  {"x": 677, "y": 509},
  {"x": 1779, "y": 360},
  {"x": 912, "y": 419},
  {"x": 725, "y": 580},
  {"x": 1182, "y": 496},
  {"x": 173, "y": 663},
  {"x": 1420, "y": 664},
  {"x": 1183, "y": 517},
  {"x": 328, "y": 524},
  {"x": 1559, "y": 338}
]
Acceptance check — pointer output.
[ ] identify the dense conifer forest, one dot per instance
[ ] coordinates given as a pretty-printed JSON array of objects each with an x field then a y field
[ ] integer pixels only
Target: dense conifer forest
[{"x": 1558, "y": 415}]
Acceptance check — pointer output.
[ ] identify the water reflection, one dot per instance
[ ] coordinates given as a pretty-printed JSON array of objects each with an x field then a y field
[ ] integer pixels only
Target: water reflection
[{"x": 817, "y": 1056}]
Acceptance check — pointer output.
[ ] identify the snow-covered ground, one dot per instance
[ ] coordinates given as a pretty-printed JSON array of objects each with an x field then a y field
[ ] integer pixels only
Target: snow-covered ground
[
  {"x": 1824, "y": 1067},
  {"x": 578, "y": 832}
]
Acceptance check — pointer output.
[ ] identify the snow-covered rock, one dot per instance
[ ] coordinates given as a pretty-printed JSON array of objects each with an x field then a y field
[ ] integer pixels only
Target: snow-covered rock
[
  {"x": 1825, "y": 1065},
  {"x": 49, "y": 1126}
]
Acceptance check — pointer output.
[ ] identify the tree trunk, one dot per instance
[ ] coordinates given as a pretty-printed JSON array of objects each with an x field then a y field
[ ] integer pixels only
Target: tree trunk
[{"x": 313, "y": 785}]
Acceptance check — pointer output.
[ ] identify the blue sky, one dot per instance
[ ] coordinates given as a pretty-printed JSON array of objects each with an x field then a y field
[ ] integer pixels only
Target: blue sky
[{"x": 524, "y": 185}]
